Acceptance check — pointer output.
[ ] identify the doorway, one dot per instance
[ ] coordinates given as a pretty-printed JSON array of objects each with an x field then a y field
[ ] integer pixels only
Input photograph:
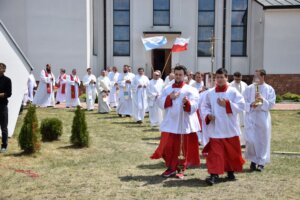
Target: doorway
[{"x": 159, "y": 59}]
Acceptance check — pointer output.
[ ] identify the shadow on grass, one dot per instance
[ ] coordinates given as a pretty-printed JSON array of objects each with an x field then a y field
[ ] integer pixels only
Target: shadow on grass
[
  {"x": 152, "y": 138},
  {"x": 154, "y": 130},
  {"x": 110, "y": 117},
  {"x": 19, "y": 154},
  {"x": 149, "y": 180},
  {"x": 160, "y": 165},
  {"x": 72, "y": 146},
  {"x": 124, "y": 123},
  {"x": 194, "y": 182}
]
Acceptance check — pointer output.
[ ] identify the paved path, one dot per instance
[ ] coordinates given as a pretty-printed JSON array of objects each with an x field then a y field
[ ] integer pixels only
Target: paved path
[{"x": 278, "y": 106}]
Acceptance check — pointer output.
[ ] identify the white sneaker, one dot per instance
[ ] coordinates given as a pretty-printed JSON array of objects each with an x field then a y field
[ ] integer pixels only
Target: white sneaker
[{"x": 3, "y": 150}]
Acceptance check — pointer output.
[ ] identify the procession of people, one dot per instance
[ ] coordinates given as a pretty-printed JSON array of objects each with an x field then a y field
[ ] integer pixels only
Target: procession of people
[{"x": 218, "y": 117}]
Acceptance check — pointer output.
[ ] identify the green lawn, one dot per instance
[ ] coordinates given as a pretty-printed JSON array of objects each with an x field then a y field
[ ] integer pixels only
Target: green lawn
[{"x": 117, "y": 165}]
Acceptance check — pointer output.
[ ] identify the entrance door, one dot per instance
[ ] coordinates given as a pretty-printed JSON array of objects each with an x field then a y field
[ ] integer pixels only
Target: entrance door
[{"x": 159, "y": 59}]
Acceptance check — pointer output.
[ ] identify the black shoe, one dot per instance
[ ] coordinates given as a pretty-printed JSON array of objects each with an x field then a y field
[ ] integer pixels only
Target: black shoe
[
  {"x": 120, "y": 115},
  {"x": 128, "y": 116},
  {"x": 243, "y": 146},
  {"x": 212, "y": 179},
  {"x": 230, "y": 176},
  {"x": 260, "y": 168},
  {"x": 253, "y": 166},
  {"x": 139, "y": 122},
  {"x": 57, "y": 103}
]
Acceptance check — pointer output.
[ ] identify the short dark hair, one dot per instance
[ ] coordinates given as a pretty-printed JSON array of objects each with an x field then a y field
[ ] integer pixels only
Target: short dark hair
[
  {"x": 3, "y": 65},
  {"x": 141, "y": 69},
  {"x": 262, "y": 72},
  {"x": 222, "y": 71},
  {"x": 198, "y": 73},
  {"x": 237, "y": 74},
  {"x": 181, "y": 67},
  {"x": 63, "y": 70}
]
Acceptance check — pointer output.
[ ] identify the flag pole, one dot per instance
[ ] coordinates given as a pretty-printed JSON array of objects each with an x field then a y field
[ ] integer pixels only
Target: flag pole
[{"x": 166, "y": 62}]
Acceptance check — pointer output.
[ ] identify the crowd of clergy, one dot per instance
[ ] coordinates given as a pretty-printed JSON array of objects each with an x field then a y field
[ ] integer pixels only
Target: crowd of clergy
[{"x": 223, "y": 117}]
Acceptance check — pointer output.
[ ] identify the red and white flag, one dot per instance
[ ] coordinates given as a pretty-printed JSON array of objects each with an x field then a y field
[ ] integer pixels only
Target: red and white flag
[{"x": 180, "y": 44}]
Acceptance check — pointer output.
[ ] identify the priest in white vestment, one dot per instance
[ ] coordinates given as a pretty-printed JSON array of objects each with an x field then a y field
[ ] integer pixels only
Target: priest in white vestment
[
  {"x": 44, "y": 96},
  {"x": 61, "y": 84},
  {"x": 258, "y": 121},
  {"x": 241, "y": 86},
  {"x": 220, "y": 110},
  {"x": 72, "y": 90},
  {"x": 139, "y": 96},
  {"x": 103, "y": 87},
  {"x": 125, "y": 98},
  {"x": 31, "y": 84},
  {"x": 179, "y": 142},
  {"x": 154, "y": 90},
  {"x": 89, "y": 81},
  {"x": 113, "y": 95}
]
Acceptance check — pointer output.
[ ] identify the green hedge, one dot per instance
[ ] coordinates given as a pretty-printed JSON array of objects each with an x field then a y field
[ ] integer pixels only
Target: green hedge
[
  {"x": 291, "y": 96},
  {"x": 29, "y": 137},
  {"x": 51, "y": 129}
]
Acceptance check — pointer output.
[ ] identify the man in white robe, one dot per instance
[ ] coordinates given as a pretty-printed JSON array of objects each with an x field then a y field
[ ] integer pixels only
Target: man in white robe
[
  {"x": 72, "y": 90},
  {"x": 154, "y": 90},
  {"x": 103, "y": 87},
  {"x": 198, "y": 84},
  {"x": 179, "y": 143},
  {"x": 125, "y": 98},
  {"x": 31, "y": 84},
  {"x": 258, "y": 121},
  {"x": 220, "y": 112},
  {"x": 190, "y": 78},
  {"x": 44, "y": 96},
  {"x": 113, "y": 95},
  {"x": 139, "y": 96},
  {"x": 241, "y": 86},
  {"x": 89, "y": 81},
  {"x": 61, "y": 84}
]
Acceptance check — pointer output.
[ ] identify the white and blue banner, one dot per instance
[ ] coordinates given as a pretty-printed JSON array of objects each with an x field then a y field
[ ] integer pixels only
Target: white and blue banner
[{"x": 154, "y": 42}]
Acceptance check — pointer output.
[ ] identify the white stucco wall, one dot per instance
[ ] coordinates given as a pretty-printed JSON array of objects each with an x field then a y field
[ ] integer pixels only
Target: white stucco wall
[
  {"x": 50, "y": 31},
  {"x": 17, "y": 69},
  {"x": 282, "y": 41}
]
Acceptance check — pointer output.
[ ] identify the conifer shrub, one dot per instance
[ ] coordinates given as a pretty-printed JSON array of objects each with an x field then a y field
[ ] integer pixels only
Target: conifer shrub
[
  {"x": 51, "y": 129},
  {"x": 80, "y": 135},
  {"x": 29, "y": 137}
]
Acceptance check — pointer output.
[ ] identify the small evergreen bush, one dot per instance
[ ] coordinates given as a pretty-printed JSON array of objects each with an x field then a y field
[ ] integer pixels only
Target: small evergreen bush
[
  {"x": 80, "y": 135},
  {"x": 51, "y": 129},
  {"x": 29, "y": 137},
  {"x": 291, "y": 96}
]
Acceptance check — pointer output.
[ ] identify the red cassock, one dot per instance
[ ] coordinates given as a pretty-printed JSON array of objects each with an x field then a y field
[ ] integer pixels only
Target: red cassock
[
  {"x": 171, "y": 144},
  {"x": 223, "y": 154}
]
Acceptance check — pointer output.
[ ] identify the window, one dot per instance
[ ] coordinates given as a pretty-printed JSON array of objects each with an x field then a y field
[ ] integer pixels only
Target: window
[
  {"x": 121, "y": 31},
  {"x": 95, "y": 29},
  {"x": 161, "y": 12},
  {"x": 239, "y": 27},
  {"x": 206, "y": 25}
]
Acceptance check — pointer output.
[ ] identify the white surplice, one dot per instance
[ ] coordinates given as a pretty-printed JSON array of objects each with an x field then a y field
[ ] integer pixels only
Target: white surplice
[
  {"x": 45, "y": 97},
  {"x": 139, "y": 97},
  {"x": 197, "y": 85},
  {"x": 103, "y": 87},
  {"x": 241, "y": 87},
  {"x": 91, "y": 90},
  {"x": 176, "y": 120},
  {"x": 61, "y": 82},
  {"x": 72, "y": 81},
  {"x": 258, "y": 124},
  {"x": 225, "y": 125},
  {"x": 155, "y": 89},
  {"x": 113, "y": 95},
  {"x": 31, "y": 84},
  {"x": 125, "y": 98},
  {"x": 202, "y": 135}
]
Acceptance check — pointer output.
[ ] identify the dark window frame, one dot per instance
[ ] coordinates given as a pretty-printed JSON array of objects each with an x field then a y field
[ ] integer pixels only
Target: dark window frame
[
  {"x": 114, "y": 40},
  {"x": 245, "y": 28},
  {"x": 205, "y": 26},
  {"x": 162, "y": 10}
]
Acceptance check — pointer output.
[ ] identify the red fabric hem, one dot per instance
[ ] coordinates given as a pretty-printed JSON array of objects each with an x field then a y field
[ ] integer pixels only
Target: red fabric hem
[
  {"x": 169, "y": 150},
  {"x": 168, "y": 102},
  {"x": 223, "y": 155},
  {"x": 228, "y": 107},
  {"x": 187, "y": 106}
]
